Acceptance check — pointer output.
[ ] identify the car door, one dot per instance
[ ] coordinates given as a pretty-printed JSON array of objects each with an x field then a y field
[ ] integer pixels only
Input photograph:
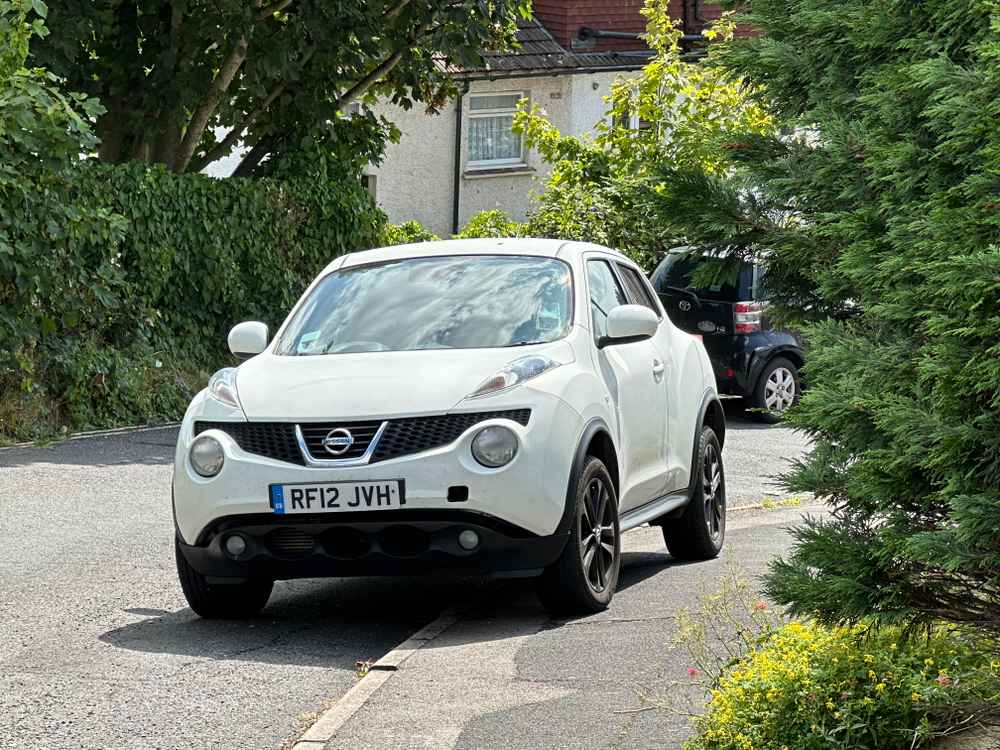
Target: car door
[{"x": 634, "y": 376}]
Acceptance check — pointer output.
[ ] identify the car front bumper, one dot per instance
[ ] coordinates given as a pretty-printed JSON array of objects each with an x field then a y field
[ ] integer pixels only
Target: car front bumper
[
  {"x": 403, "y": 542},
  {"x": 516, "y": 511}
]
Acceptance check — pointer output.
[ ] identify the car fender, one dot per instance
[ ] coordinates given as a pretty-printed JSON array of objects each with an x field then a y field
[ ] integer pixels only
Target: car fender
[
  {"x": 764, "y": 355},
  {"x": 593, "y": 427}
]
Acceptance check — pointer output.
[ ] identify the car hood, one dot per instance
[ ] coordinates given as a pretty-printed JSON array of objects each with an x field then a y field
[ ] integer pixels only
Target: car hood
[{"x": 371, "y": 385}]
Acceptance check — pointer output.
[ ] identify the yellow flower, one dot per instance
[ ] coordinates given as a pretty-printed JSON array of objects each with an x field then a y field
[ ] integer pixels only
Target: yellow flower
[
  {"x": 915, "y": 697},
  {"x": 830, "y": 705},
  {"x": 871, "y": 674},
  {"x": 892, "y": 646},
  {"x": 880, "y": 688},
  {"x": 929, "y": 662}
]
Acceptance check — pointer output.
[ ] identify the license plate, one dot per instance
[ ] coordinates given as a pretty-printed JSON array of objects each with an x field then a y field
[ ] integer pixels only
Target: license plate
[{"x": 337, "y": 496}]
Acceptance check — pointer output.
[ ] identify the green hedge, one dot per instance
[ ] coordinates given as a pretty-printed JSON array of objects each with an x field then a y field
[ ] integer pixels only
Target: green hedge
[{"x": 120, "y": 320}]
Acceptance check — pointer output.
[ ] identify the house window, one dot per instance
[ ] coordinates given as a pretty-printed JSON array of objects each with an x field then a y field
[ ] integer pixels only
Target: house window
[
  {"x": 368, "y": 183},
  {"x": 492, "y": 142}
]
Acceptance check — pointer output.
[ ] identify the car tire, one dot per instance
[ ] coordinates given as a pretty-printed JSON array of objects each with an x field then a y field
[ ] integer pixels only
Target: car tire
[
  {"x": 230, "y": 601},
  {"x": 778, "y": 389},
  {"x": 701, "y": 529},
  {"x": 583, "y": 579}
]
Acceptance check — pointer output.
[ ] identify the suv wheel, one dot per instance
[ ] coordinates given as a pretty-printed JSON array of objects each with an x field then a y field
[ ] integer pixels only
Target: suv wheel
[
  {"x": 228, "y": 601},
  {"x": 777, "y": 390},
  {"x": 583, "y": 579},
  {"x": 699, "y": 533}
]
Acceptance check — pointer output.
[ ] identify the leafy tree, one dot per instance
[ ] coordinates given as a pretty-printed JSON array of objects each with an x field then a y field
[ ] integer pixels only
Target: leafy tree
[
  {"x": 185, "y": 81},
  {"x": 675, "y": 111},
  {"x": 879, "y": 205}
]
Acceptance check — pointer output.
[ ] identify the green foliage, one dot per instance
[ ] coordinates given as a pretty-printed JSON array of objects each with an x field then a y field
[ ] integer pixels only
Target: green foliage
[
  {"x": 808, "y": 687},
  {"x": 405, "y": 233},
  {"x": 878, "y": 205},
  {"x": 600, "y": 189},
  {"x": 185, "y": 81},
  {"x": 493, "y": 223}
]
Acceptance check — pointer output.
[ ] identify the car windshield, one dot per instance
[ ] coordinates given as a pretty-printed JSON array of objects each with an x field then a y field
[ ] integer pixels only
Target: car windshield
[
  {"x": 449, "y": 302},
  {"x": 677, "y": 269}
]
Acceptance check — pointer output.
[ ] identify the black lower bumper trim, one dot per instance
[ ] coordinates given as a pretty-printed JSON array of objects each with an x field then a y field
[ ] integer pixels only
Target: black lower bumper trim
[{"x": 286, "y": 547}]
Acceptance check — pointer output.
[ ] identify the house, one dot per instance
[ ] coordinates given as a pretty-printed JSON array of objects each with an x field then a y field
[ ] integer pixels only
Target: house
[{"x": 465, "y": 159}]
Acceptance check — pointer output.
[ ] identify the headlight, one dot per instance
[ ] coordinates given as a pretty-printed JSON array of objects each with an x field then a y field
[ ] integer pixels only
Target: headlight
[
  {"x": 207, "y": 456},
  {"x": 515, "y": 373},
  {"x": 494, "y": 446},
  {"x": 222, "y": 387}
]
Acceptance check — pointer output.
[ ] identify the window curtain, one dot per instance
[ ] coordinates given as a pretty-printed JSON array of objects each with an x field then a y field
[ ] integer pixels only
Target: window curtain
[{"x": 491, "y": 138}]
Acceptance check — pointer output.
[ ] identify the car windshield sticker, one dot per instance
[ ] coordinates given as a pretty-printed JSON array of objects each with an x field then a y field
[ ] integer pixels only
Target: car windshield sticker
[{"x": 307, "y": 341}]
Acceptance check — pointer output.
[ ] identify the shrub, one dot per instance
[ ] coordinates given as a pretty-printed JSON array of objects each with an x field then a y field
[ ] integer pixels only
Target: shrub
[
  {"x": 807, "y": 687},
  {"x": 405, "y": 233},
  {"x": 120, "y": 322},
  {"x": 493, "y": 223}
]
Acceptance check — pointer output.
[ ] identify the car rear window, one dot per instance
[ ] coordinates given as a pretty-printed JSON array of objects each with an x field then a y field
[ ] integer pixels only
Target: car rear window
[{"x": 676, "y": 270}]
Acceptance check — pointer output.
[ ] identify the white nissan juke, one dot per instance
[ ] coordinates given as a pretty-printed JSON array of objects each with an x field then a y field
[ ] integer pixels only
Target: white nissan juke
[{"x": 507, "y": 407}]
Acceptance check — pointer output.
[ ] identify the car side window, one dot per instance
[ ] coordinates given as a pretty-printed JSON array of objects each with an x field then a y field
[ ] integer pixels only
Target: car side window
[
  {"x": 605, "y": 294},
  {"x": 637, "y": 287}
]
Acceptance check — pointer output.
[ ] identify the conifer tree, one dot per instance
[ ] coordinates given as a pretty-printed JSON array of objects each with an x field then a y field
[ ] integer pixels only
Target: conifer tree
[{"x": 877, "y": 209}]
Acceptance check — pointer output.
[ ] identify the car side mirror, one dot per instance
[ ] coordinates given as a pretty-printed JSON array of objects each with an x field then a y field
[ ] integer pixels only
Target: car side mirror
[
  {"x": 629, "y": 323},
  {"x": 248, "y": 338}
]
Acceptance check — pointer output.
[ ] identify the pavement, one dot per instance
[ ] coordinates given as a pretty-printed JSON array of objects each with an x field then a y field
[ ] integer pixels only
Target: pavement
[{"x": 98, "y": 649}]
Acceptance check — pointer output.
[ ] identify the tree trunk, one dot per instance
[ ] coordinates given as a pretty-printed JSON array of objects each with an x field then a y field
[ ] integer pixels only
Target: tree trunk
[
  {"x": 109, "y": 130},
  {"x": 254, "y": 157},
  {"x": 205, "y": 110}
]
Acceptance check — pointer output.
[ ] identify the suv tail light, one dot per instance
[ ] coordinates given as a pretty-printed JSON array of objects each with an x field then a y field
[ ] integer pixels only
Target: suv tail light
[{"x": 748, "y": 316}]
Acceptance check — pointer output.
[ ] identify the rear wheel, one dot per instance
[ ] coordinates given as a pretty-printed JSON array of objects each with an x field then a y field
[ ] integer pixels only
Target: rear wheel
[
  {"x": 583, "y": 579},
  {"x": 699, "y": 533},
  {"x": 777, "y": 390},
  {"x": 228, "y": 601}
]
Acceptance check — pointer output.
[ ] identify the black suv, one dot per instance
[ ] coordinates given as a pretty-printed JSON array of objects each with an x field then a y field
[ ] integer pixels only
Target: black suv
[{"x": 750, "y": 358}]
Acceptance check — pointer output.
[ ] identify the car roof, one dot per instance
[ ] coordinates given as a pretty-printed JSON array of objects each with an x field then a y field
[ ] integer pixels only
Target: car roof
[{"x": 547, "y": 248}]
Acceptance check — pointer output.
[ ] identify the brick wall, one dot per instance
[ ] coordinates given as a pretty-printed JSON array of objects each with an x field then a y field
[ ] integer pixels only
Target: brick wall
[{"x": 563, "y": 18}]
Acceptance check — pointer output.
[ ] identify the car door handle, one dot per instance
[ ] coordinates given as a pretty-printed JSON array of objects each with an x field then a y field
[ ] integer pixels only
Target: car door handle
[{"x": 657, "y": 370}]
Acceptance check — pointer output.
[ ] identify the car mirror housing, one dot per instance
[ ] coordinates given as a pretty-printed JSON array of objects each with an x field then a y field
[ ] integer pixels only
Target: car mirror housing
[
  {"x": 248, "y": 338},
  {"x": 627, "y": 324}
]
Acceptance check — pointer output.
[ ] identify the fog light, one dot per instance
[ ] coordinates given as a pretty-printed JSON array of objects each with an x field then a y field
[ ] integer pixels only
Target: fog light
[
  {"x": 235, "y": 545},
  {"x": 494, "y": 446},
  {"x": 468, "y": 539},
  {"x": 207, "y": 456}
]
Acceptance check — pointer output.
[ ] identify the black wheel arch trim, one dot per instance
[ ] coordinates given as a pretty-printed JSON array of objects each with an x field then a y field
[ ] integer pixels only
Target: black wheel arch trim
[
  {"x": 594, "y": 427},
  {"x": 709, "y": 401},
  {"x": 763, "y": 358}
]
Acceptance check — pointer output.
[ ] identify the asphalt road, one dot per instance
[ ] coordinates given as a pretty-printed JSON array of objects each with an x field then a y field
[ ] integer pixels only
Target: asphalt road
[{"x": 97, "y": 646}]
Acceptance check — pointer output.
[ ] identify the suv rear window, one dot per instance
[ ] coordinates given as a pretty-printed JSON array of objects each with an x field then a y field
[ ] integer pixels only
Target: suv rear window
[{"x": 676, "y": 270}]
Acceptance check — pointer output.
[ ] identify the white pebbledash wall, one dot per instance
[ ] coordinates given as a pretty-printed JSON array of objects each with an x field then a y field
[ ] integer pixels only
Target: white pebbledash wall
[{"x": 416, "y": 178}]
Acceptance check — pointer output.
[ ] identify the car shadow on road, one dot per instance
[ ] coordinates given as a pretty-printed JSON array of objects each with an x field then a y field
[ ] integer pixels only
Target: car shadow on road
[
  {"x": 739, "y": 418},
  {"x": 321, "y": 623},
  {"x": 337, "y": 622}
]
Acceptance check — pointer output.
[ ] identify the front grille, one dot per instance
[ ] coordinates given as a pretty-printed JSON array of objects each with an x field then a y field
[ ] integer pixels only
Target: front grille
[
  {"x": 290, "y": 543},
  {"x": 401, "y": 437},
  {"x": 362, "y": 432},
  {"x": 272, "y": 439},
  {"x": 405, "y": 436}
]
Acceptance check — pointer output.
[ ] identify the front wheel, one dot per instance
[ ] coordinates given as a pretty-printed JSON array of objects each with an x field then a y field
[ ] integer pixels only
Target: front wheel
[
  {"x": 699, "y": 533},
  {"x": 230, "y": 601},
  {"x": 583, "y": 579}
]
